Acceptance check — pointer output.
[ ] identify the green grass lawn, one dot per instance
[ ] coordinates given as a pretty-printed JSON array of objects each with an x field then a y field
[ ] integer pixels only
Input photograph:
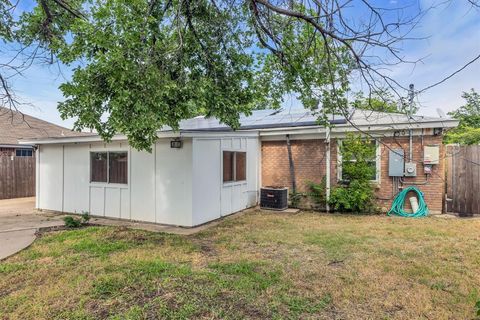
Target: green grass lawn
[{"x": 258, "y": 265}]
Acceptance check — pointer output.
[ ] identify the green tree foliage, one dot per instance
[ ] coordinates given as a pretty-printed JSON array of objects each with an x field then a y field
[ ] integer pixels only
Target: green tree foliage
[
  {"x": 151, "y": 64},
  {"x": 380, "y": 101},
  {"x": 356, "y": 194},
  {"x": 468, "y": 130},
  {"x": 142, "y": 65},
  {"x": 6, "y": 21}
]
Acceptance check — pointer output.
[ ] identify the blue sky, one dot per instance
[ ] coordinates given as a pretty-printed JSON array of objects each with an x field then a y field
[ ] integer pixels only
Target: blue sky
[{"x": 453, "y": 30}]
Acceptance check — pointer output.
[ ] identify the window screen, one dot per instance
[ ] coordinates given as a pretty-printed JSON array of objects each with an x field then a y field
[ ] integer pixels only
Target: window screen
[
  {"x": 98, "y": 167},
  {"x": 117, "y": 167},
  {"x": 234, "y": 166}
]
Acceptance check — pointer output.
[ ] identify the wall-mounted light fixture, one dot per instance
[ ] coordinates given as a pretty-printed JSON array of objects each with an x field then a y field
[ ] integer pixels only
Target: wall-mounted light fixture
[{"x": 176, "y": 143}]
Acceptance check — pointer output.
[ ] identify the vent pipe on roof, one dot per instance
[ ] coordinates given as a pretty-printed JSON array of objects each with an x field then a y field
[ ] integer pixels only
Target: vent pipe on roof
[{"x": 411, "y": 96}]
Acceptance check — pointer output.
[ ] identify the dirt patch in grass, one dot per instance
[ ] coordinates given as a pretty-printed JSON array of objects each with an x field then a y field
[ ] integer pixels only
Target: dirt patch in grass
[{"x": 259, "y": 265}]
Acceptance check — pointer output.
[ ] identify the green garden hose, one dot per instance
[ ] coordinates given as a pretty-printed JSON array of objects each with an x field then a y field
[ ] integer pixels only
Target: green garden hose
[{"x": 399, "y": 201}]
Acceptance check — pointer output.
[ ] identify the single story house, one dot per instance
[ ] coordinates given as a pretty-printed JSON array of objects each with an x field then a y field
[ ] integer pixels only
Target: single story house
[
  {"x": 17, "y": 163},
  {"x": 206, "y": 171}
]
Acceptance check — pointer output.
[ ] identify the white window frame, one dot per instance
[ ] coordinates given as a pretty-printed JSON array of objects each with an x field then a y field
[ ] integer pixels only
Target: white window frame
[{"x": 378, "y": 163}]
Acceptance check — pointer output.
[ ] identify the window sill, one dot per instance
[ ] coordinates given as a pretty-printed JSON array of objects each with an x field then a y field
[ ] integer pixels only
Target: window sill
[
  {"x": 232, "y": 183},
  {"x": 375, "y": 183},
  {"x": 106, "y": 184}
]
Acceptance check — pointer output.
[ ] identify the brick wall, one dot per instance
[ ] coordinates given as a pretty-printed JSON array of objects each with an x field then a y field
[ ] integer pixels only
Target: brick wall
[
  {"x": 309, "y": 158},
  {"x": 310, "y": 164},
  {"x": 434, "y": 189}
]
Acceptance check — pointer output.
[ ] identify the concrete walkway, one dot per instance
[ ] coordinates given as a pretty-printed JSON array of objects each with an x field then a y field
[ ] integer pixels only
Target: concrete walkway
[{"x": 19, "y": 222}]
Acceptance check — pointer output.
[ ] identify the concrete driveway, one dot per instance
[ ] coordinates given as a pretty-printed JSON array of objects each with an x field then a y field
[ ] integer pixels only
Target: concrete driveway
[{"x": 19, "y": 222}]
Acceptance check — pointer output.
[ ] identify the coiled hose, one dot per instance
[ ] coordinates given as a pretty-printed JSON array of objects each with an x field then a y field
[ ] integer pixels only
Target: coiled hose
[{"x": 399, "y": 201}]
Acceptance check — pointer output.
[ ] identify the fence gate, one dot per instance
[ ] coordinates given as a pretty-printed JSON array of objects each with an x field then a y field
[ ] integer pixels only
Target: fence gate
[
  {"x": 463, "y": 180},
  {"x": 17, "y": 177}
]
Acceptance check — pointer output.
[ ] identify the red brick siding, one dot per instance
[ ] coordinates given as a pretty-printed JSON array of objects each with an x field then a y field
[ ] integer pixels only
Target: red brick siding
[
  {"x": 309, "y": 159},
  {"x": 435, "y": 188}
]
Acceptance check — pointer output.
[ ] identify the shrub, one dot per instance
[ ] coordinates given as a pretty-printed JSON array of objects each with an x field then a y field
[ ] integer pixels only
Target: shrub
[
  {"x": 85, "y": 216},
  {"x": 295, "y": 199},
  {"x": 477, "y": 306},
  {"x": 317, "y": 193},
  {"x": 356, "y": 197},
  {"x": 71, "y": 222},
  {"x": 356, "y": 194}
]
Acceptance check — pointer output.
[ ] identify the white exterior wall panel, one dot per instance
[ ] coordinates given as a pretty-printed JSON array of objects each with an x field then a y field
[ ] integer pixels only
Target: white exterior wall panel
[
  {"x": 173, "y": 183},
  {"x": 253, "y": 171},
  {"x": 212, "y": 198},
  {"x": 76, "y": 178},
  {"x": 105, "y": 198},
  {"x": 169, "y": 186},
  {"x": 142, "y": 185},
  {"x": 206, "y": 180},
  {"x": 50, "y": 177}
]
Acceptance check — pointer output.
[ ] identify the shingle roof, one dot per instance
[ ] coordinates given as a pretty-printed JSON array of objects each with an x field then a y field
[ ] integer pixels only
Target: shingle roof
[{"x": 15, "y": 126}]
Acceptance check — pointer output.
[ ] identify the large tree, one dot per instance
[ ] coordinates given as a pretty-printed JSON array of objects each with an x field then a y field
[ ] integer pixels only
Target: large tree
[
  {"x": 140, "y": 65},
  {"x": 468, "y": 130}
]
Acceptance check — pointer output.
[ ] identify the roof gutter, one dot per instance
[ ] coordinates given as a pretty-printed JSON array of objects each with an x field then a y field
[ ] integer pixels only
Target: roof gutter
[{"x": 15, "y": 146}]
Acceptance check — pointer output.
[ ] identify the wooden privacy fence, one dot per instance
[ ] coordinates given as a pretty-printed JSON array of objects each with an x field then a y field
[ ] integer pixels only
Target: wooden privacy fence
[
  {"x": 17, "y": 177},
  {"x": 463, "y": 179}
]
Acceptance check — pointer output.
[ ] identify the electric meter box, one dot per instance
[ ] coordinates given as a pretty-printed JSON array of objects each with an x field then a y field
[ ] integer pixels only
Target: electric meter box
[
  {"x": 431, "y": 155},
  {"x": 395, "y": 163},
  {"x": 410, "y": 169}
]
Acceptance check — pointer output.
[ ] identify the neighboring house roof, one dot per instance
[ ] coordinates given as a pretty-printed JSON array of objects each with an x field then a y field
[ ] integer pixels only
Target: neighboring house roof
[
  {"x": 282, "y": 121},
  {"x": 15, "y": 126}
]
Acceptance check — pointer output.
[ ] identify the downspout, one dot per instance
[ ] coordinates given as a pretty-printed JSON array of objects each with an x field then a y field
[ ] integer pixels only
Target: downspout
[
  {"x": 327, "y": 171},
  {"x": 292, "y": 168}
]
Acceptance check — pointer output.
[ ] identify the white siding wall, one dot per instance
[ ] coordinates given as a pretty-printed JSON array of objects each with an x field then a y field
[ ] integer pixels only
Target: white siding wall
[
  {"x": 206, "y": 180},
  {"x": 76, "y": 178},
  {"x": 50, "y": 177},
  {"x": 159, "y": 187},
  {"x": 142, "y": 186},
  {"x": 253, "y": 171},
  {"x": 104, "y": 199},
  {"x": 212, "y": 198},
  {"x": 174, "y": 183},
  {"x": 169, "y": 186}
]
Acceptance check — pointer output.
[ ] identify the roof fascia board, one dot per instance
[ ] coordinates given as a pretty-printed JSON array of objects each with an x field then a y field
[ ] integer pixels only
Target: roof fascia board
[
  {"x": 160, "y": 135},
  {"x": 367, "y": 128},
  {"x": 339, "y": 134}
]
